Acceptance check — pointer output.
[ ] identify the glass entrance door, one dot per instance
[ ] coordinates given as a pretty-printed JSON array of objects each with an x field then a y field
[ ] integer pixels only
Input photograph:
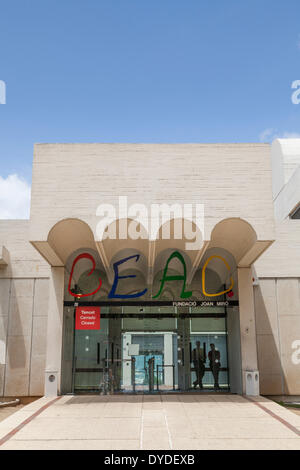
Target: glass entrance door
[
  {"x": 143, "y": 370},
  {"x": 97, "y": 358},
  {"x": 208, "y": 339},
  {"x": 91, "y": 348},
  {"x": 131, "y": 352},
  {"x": 153, "y": 361}
]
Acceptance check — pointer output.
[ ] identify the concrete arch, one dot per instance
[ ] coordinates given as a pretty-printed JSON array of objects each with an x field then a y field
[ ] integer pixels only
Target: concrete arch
[
  {"x": 69, "y": 235},
  {"x": 171, "y": 290},
  {"x": 114, "y": 243},
  {"x": 175, "y": 264},
  {"x": 82, "y": 276},
  {"x": 184, "y": 233},
  {"x": 133, "y": 264},
  {"x": 235, "y": 235},
  {"x": 216, "y": 273}
]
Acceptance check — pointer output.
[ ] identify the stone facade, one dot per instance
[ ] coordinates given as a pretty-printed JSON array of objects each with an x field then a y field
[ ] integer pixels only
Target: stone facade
[
  {"x": 23, "y": 313},
  {"x": 233, "y": 181}
]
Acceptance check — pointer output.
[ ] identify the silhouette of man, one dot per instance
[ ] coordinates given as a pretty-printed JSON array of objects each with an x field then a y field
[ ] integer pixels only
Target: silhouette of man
[
  {"x": 214, "y": 363},
  {"x": 198, "y": 357}
]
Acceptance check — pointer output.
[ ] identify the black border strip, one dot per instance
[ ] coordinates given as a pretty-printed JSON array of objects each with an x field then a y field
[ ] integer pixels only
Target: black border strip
[
  {"x": 153, "y": 303},
  {"x": 160, "y": 315}
]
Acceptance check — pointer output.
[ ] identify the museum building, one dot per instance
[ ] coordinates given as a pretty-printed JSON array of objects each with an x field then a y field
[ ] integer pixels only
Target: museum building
[{"x": 154, "y": 268}]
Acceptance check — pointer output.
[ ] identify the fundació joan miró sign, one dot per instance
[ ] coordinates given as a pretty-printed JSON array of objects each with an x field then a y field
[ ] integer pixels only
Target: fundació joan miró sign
[{"x": 165, "y": 278}]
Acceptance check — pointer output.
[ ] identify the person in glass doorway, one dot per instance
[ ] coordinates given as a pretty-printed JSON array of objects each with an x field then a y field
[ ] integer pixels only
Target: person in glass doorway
[
  {"x": 214, "y": 363},
  {"x": 199, "y": 358}
]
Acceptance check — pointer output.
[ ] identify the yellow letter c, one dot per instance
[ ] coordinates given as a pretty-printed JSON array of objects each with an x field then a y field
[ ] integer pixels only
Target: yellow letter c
[{"x": 203, "y": 277}]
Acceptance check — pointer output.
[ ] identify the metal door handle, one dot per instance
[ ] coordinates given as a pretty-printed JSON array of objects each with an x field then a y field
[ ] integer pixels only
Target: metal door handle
[{"x": 98, "y": 353}]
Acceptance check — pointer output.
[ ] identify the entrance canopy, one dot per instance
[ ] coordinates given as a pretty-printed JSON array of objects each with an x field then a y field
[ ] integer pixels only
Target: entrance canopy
[{"x": 234, "y": 236}]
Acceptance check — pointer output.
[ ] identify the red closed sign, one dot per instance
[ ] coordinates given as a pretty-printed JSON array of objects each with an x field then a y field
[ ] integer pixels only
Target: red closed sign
[{"x": 87, "y": 318}]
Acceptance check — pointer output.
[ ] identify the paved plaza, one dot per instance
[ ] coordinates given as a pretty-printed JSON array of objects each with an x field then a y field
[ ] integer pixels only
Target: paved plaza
[{"x": 179, "y": 421}]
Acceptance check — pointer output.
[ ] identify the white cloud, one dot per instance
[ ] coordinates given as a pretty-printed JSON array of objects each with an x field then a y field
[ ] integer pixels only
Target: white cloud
[
  {"x": 14, "y": 198},
  {"x": 290, "y": 135},
  {"x": 268, "y": 135}
]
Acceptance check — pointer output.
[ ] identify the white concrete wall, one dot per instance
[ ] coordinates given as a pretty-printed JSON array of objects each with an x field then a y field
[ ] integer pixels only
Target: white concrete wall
[
  {"x": 23, "y": 326},
  {"x": 285, "y": 156},
  {"x": 248, "y": 343},
  {"x": 282, "y": 259},
  {"x": 71, "y": 180},
  {"x": 24, "y": 260},
  {"x": 23, "y": 313},
  {"x": 277, "y": 307},
  {"x": 278, "y": 328},
  {"x": 277, "y": 296},
  {"x": 289, "y": 197},
  {"x": 54, "y": 331}
]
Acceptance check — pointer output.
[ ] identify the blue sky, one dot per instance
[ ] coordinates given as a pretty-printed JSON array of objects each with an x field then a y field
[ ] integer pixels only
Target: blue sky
[{"x": 145, "y": 71}]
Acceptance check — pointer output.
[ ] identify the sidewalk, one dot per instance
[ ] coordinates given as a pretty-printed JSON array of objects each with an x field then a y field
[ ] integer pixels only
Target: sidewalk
[{"x": 151, "y": 422}]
